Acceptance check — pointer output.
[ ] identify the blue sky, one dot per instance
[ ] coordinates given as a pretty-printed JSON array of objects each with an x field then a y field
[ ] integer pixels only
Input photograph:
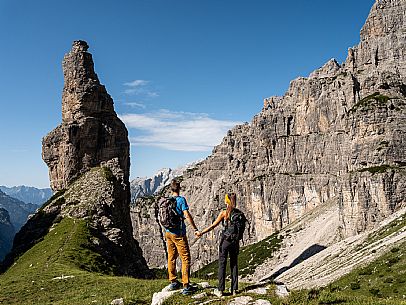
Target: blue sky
[{"x": 193, "y": 68}]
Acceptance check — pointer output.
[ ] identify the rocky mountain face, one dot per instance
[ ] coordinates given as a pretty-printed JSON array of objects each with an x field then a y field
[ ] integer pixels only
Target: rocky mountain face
[
  {"x": 28, "y": 194},
  {"x": 143, "y": 186},
  {"x": 88, "y": 159},
  {"x": 336, "y": 135},
  {"x": 7, "y": 233},
  {"x": 13, "y": 215},
  {"x": 17, "y": 210},
  {"x": 90, "y": 132},
  {"x": 148, "y": 186}
]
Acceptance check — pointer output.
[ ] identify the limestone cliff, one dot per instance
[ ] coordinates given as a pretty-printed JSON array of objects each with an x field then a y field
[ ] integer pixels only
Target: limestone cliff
[
  {"x": 338, "y": 134},
  {"x": 88, "y": 159},
  {"x": 90, "y": 132}
]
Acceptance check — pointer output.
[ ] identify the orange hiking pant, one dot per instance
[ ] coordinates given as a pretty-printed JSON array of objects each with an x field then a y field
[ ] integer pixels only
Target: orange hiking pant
[{"x": 178, "y": 246}]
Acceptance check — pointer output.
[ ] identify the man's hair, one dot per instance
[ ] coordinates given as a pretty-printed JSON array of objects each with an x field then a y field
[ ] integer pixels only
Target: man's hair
[{"x": 175, "y": 186}]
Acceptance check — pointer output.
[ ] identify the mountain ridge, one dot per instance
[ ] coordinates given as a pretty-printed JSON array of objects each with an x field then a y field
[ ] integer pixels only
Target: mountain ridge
[
  {"x": 335, "y": 135},
  {"x": 28, "y": 194},
  {"x": 148, "y": 186}
]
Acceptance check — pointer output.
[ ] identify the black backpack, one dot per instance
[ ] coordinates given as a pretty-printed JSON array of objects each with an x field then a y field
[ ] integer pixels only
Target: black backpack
[
  {"x": 168, "y": 216},
  {"x": 235, "y": 226}
]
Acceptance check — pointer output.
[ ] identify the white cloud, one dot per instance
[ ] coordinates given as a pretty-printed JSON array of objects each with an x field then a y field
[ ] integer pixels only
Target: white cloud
[
  {"x": 136, "y": 83},
  {"x": 140, "y": 87},
  {"x": 135, "y": 104},
  {"x": 182, "y": 131}
]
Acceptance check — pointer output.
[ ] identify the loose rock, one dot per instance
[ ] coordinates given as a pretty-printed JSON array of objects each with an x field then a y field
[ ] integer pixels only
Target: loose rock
[
  {"x": 117, "y": 302},
  {"x": 243, "y": 300},
  {"x": 281, "y": 291},
  {"x": 199, "y": 295},
  {"x": 259, "y": 290},
  {"x": 159, "y": 298},
  {"x": 261, "y": 302},
  {"x": 204, "y": 285}
]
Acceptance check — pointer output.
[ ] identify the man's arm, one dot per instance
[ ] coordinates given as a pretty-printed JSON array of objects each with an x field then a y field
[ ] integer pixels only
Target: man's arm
[{"x": 189, "y": 218}]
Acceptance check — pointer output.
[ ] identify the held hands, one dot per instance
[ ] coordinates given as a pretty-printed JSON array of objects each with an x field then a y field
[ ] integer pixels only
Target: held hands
[{"x": 198, "y": 234}]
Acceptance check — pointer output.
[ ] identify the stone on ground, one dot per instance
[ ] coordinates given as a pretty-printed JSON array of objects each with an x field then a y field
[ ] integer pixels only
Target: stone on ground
[
  {"x": 199, "y": 295},
  {"x": 281, "y": 291},
  {"x": 244, "y": 300},
  {"x": 259, "y": 290},
  {"x": 117, "y": 302},
  {"x": 261, "y": 302},
  {"x": 204, "y": 285},
  {"x": 159, "y": 297}
]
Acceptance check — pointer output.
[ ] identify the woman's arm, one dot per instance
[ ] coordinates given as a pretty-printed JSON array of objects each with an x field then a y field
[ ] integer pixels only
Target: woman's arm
[{"x": 215, "y": 223}]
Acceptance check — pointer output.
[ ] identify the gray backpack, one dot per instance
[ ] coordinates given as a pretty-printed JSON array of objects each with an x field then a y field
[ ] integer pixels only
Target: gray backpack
[{"x": 168, "y": 216}]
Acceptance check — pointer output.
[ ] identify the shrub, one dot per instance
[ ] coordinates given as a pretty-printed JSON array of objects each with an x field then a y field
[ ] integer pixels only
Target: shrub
[{"x": 355, "y": 285}]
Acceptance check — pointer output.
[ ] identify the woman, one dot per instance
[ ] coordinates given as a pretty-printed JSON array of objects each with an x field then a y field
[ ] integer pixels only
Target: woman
[{"x": 229, "y": 245}]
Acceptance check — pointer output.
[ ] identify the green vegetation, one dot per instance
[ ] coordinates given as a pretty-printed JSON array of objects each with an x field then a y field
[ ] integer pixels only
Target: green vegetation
[
  {"x": 380, "y": 169},
  {"x": 108, "y": 174},
  {"x": 384, "y": 278},
  {"x": 249, "y": 258},
  {"x": 328, "y": 295},
  {"x": 376, "y": 169},
  {"x": 381, "y": 282},
  {"x": 57, "y": 195},
  {"x": 392, "y": 227},
  {"x": 66, "y": 250},
  {"x": 371, "y": 101}
]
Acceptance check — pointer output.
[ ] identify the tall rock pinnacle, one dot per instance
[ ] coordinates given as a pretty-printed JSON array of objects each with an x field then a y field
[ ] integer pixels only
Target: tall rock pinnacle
[
  {"x": 88, "y": 160},
  {"x": 91, "y": 132}
]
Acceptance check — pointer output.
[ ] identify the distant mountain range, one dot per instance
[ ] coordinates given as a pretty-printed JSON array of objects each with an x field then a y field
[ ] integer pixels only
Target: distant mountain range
[
  {"x": 16, "y": 204},
  {"x": 28, "y": 194},
  {"x": 17, "y": 209},
  {"x": 147, "y": 186},
  {"x": 7, "y": 233}
]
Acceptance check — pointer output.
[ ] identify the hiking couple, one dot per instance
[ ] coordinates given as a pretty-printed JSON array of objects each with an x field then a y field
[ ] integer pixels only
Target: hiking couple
[{"x": 177, "y": 243}]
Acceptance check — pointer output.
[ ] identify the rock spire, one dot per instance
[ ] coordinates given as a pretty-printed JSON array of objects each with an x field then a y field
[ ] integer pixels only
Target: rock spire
[
  {"x": 91, "y": 132},
  {"x": 88, "y": 160}
]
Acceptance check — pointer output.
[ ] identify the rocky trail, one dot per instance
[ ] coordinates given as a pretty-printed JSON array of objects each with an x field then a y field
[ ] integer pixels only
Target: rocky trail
[{"x": 254, "y": 294}]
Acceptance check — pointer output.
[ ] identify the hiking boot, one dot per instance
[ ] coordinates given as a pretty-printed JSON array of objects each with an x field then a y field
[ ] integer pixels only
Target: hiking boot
[
  {"x": 189, "y": 289},
  {"x": 174, "y": 286},
  {"x": 218, "y": 293}
]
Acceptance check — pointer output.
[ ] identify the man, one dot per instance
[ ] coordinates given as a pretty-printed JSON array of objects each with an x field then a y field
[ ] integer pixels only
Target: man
[{"x": 178, "y": 245}]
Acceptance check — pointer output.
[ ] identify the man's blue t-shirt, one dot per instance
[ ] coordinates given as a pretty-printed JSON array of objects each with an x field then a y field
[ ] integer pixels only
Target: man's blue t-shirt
[{"x": 181, "y": 206}]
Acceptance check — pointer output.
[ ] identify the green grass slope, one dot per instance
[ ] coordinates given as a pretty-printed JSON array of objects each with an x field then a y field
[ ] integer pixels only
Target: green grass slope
[
  {"x": 382, "y": 282},
  {"x": 65, "y": 251},
  {"x": 385, "y": 278}
]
